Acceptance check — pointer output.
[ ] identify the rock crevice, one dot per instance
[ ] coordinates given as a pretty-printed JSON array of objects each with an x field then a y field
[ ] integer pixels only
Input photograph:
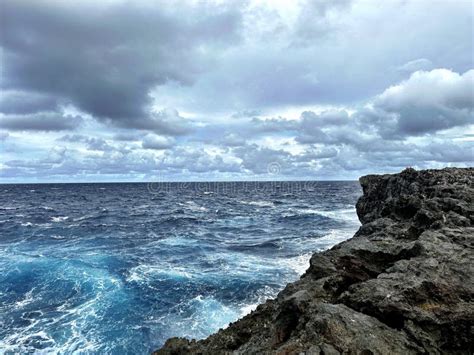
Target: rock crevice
[{"x": 403, "y": 284}]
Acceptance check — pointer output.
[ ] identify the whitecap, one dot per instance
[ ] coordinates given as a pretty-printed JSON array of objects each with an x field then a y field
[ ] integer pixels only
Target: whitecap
[
  {"x": 193, "y": 206},
  {"x": 26, "y": 300},
  {"x": 299, "y": 264},
  {"x": 59, "y": 218},
  {"x": 211, "y": 314},
  {"x": 264, "y": 294},
  {"x": 8, "y": 208},
  {"x": 345, "y": 214},
  {"x": 335, "y": 236},
  {"x": 143, "y": 273},
  {"x": 55, "y": 236},
  {"x": 260, "y": 203}
]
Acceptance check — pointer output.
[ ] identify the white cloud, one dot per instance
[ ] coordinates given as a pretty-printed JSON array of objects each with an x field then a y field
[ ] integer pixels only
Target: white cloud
[{"x": 429, "y": 101}]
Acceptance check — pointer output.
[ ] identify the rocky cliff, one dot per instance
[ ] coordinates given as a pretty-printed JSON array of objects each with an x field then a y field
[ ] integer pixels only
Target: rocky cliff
[{"x": 403, "y": 284}]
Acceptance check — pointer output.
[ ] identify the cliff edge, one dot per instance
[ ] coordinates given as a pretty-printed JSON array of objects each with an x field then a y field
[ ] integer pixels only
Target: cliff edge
[{"x": 403, "y": 284}]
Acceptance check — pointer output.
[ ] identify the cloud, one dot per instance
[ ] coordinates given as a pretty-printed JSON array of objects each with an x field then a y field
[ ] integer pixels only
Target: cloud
[
  {"x": 17, "y": 102},
  {"x": 226, "y": 89},
  {"x": 128, "y": 136},
  {"x": 232, "y": 140},
  {"x": 165, "y": 122},
  {"x": 325, "y": 118},
  {"x": 318, "y": 154},
  {"x": 42, "y": 121},
  {"x": 91, "y": 143},
  {"x": 196, "y": 160},
  {"x": 105, "y": 58},
  {"x": 416, "y": 65},
  {"x": 262, "y": 160},
  {"x": 308, "y": 53},
  {"x": 152, "y": 141},
  {"x": 428, "y": 102},
  {"x": 272, "y": 125},
  {"x": 4, "y": 136},
  {"x": 314, "y": 20}
]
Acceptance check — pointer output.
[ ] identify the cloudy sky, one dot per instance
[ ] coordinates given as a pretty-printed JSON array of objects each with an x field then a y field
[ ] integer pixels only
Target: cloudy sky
[{"x": 119, "y": 90}]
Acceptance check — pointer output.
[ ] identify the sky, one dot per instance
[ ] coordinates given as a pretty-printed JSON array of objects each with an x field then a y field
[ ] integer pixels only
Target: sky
[{"x": 114, "y": 90}]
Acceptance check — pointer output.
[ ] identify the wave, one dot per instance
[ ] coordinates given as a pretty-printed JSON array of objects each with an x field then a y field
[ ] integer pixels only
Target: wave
[
  {"x": 145, "y": 273},
  {"x": 344, "y": 215},
  {"x": 9, "y": 208},
  {"x": 259, "y": 203},
  {"x": 59, "y": 219},
  {"x": 194, "y": 207},
  {"x": 269, "y": 245}
]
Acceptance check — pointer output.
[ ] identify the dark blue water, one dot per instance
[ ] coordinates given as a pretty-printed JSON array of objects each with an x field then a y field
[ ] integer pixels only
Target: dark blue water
[{"x": 119, "y": 268}]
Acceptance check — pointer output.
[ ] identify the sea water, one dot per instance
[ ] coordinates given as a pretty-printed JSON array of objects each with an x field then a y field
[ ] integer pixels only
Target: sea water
[{"x": 119, "y": 268}]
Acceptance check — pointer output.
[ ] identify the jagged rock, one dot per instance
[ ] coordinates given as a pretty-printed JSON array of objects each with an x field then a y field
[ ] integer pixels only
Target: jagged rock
[{"x": 403, "y": 284}]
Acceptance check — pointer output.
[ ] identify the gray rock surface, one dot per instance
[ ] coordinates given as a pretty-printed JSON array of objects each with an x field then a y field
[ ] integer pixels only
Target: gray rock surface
[{"x": 404, "y": 284}]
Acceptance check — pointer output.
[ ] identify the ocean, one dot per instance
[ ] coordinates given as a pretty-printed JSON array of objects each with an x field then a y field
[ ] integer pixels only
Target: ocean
[{"x": 120, "y": 267}]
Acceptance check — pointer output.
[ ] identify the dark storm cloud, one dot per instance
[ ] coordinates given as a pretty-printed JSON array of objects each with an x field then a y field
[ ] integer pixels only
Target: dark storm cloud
[
  {"x": 14, "y": 102},
  {"x": 425, "y": 103},
  {"x": 165, "y": 122},
  {"x": 42, "y": 121},
  {"x": 104, "y": 59}
]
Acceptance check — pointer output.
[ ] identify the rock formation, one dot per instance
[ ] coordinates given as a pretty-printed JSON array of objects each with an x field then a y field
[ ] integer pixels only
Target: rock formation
[{"x": 404, "y": 284}]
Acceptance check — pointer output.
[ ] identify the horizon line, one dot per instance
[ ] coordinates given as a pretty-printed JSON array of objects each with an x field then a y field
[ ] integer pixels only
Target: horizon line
[{"x": 174, "y": 181}]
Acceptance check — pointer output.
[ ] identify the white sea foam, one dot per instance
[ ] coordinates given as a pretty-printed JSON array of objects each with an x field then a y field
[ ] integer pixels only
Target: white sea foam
[
  {"x": 29, "y": 224},
  {"x": 8, "y": 208},
  {"x": 56, "y": 236},
  {"x": 213, "y": 314},
  {"x": 344, "y": 214},
  {"x": 26, "y": 300},
  {"x": 59, "y": 219},
  {"x": 73, "y": 318},
  {"x": 260, "y": 203},
  {"x": 299, "y": 264},
  {"x": 335, "y": 236},
  {"x": 264, "y": 294},
  {"x": 144, "y": 272},
  {"x": 194, "y": 207}
]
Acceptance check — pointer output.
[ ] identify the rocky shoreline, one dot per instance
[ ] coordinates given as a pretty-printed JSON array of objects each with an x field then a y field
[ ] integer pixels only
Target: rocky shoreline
[{"x": 404, "y": 284}]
